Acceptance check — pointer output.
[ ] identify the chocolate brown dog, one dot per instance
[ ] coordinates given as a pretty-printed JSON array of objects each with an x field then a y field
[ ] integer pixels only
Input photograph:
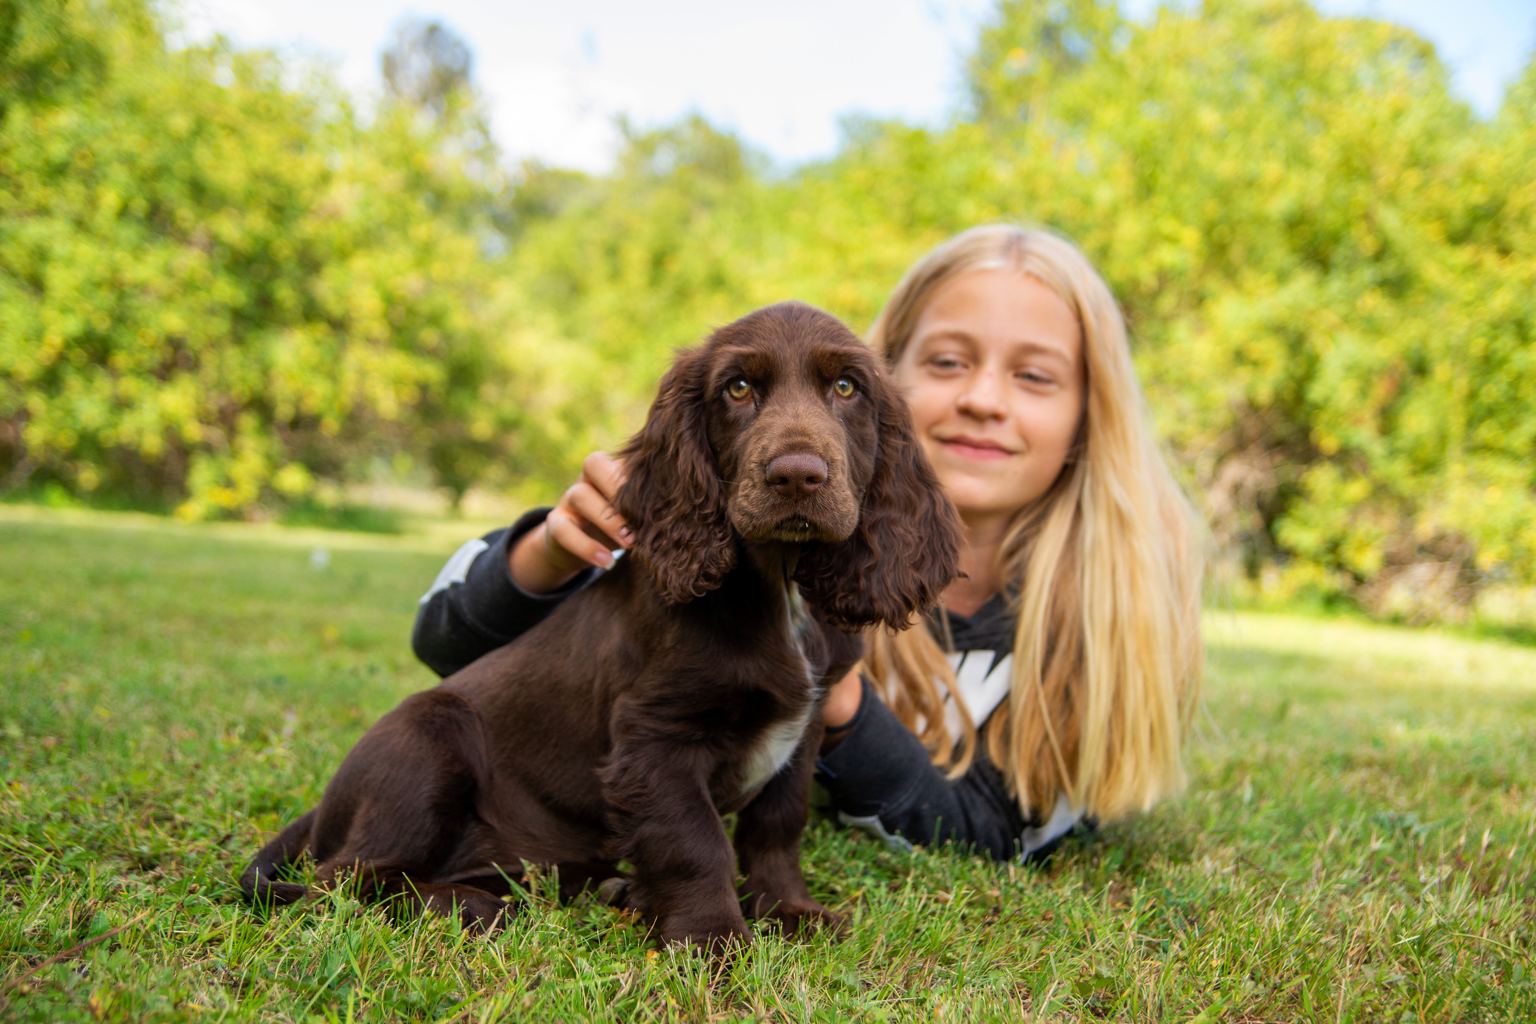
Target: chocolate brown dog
[{"x": 779, "y": 502}]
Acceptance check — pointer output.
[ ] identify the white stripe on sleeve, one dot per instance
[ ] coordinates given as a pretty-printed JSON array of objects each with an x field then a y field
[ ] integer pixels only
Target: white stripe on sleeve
[
  {"x": 1061, "y": 821},
  {"x": 457, "y": 569}
]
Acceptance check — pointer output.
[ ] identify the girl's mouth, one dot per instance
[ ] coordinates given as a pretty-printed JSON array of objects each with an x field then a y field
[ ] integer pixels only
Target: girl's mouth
[{"x": 977, "y": 448}]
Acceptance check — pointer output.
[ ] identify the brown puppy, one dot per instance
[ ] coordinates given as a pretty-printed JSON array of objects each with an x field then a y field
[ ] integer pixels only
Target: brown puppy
[{"x": 778, "y": 498}]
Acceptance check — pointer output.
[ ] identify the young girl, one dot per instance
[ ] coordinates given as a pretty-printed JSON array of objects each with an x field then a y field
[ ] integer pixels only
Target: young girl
[{"x": 1055, "y": 682}]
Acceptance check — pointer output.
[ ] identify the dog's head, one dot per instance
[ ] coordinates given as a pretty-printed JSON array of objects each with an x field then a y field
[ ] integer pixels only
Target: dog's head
[{"x": 782, "y": 428}]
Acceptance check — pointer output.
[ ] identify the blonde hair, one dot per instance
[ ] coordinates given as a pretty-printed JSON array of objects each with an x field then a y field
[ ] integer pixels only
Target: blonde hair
[{"x": 1103, "y": 571}]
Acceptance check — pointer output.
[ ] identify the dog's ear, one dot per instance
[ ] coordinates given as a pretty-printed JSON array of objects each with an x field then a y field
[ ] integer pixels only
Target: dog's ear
[
  {"x": 906, "y": 548},
  {"x": 672, "y": 495}
]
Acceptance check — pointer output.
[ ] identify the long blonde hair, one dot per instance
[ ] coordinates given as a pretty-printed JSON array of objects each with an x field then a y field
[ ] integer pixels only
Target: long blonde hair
[{"x": 1103, "y": 571}]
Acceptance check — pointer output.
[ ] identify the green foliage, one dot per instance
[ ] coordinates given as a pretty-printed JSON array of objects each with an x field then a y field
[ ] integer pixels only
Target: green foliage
[
  {"x": 219, "y": 288},
  {"x": 50, "y": 50},
  {"x": 1356, "y": 844},
  {"x": 221, "y": 291}
]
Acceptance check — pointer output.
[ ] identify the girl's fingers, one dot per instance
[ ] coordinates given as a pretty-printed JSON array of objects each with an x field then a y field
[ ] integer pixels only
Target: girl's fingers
[
  {"x": 585, "y": 524},
  {"x": 592, "y": 496},
  {"x": 604, "y": 472},
  {"x": 565, "y": 528}
]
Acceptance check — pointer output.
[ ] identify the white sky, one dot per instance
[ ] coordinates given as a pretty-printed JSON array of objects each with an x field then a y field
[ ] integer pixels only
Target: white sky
[{"x": 780, "y": 74}]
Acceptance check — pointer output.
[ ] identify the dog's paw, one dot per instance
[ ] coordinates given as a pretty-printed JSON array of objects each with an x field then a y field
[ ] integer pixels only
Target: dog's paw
[
  {"x": 716, "y": 938},
  {"x": 796, "y": 918},
  {"x": 487, "y": 916},
  {"x": 277, "y": 893},
  {"x": 478, "y": 912},
  {"x": 614, "y": 892}
]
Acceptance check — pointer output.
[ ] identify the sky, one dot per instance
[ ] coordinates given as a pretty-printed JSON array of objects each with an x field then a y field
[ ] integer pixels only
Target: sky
[{"x": 781, "y": 75}]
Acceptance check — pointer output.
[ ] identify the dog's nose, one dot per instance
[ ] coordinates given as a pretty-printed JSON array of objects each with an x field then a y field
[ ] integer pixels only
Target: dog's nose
[{"x": 797, "y": 475}]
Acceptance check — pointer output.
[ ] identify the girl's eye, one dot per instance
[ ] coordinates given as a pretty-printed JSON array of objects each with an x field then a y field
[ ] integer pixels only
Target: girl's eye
[
  {"x": 844, "y": 387},
  {"x": 945, "y": 362},
  {"x": 1034, "y": 377},
  {"x": 738, "y": 388}
]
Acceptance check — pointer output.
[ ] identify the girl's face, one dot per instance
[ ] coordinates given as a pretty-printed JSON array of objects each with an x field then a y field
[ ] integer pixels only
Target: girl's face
[{"x": 994, "y": 377}]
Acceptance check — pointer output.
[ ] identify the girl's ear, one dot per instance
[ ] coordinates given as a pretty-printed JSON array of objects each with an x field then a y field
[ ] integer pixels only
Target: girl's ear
[
  {"x": 906, "y": 547},
  {"x": 672, "y": 495}
]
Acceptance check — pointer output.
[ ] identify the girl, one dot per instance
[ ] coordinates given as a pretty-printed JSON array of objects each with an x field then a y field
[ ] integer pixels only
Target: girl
[{"x": 1055, "y": 682}]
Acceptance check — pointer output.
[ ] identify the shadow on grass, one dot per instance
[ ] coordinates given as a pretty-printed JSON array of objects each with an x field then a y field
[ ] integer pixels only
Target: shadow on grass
[{"x": 350, "y": 518}]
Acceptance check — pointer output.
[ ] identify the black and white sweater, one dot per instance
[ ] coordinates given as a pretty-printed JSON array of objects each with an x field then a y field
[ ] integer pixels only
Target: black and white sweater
[{"x": 878, "y": 776}]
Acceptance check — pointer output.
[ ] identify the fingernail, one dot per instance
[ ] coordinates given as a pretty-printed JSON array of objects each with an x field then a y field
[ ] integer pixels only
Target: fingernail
[
  {"x": 605, "y": 559},
  {"x": 625, "y": 534}
]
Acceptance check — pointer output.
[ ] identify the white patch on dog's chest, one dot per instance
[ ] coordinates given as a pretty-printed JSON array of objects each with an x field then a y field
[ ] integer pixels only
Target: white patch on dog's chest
[{"x": 774, "y": 747}]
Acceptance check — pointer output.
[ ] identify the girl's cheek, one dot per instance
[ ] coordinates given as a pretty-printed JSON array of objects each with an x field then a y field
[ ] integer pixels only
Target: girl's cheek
[
  {"x": 1053, "y": 416},
  {"x": 929, "y": 403}
]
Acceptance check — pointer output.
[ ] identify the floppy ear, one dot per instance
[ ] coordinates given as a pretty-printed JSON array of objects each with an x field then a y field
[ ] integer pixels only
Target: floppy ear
[
  {"x": 906, "y": 548},
  {"x": 672, "y": 495}
]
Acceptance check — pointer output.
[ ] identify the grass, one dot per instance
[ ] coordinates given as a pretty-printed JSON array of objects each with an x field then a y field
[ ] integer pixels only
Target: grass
[{"x": 1356, "y": 843}]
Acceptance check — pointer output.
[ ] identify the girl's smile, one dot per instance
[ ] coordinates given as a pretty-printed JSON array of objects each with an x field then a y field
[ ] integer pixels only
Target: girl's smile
[{"x": 969, "y": 447}]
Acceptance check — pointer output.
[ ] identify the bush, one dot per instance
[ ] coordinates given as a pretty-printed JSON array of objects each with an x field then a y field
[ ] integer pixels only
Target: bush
[
  {"x": 220, "y": 288},
  {"x": 224, "y": 289}
]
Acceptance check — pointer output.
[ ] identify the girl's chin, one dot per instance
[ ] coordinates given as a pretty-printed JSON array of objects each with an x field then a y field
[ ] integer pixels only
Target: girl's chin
[
  {"x": 987, "y": 494},
  {"x": 984, "y": 473}
]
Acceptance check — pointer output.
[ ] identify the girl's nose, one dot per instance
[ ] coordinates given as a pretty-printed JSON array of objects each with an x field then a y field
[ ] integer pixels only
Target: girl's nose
[{"x": 982, "y": 397}]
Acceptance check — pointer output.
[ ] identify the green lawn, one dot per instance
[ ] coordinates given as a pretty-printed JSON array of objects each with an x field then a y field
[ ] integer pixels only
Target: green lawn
[{"x": 1356, "y": 843}]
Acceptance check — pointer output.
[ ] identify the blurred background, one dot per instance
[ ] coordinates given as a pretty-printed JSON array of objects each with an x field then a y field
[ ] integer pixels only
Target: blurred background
[{"x": 323, "y": 262}]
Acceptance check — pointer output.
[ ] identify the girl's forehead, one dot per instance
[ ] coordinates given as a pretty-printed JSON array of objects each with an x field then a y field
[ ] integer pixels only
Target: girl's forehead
[
  {"x": 1000, "y": 307},
  {"x": 996, "y": 287}
]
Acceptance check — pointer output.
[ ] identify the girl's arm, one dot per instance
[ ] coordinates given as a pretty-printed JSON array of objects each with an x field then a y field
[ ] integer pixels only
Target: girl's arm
[
  {"x": 497, "y": 587},
  {"x": 475, "y": 605},
  {"x": 880, "y": 779}
]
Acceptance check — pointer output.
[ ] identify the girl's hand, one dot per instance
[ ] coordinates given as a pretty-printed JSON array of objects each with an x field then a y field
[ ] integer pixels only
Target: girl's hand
[
  {"x": 582, "y": 530},
  {"x": 840, "y": 707}
]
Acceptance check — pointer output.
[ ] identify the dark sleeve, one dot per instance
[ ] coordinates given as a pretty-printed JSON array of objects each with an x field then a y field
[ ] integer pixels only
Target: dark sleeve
[
  {"x": 474, "y": 607},
  {"x": 881, "y": 771}
]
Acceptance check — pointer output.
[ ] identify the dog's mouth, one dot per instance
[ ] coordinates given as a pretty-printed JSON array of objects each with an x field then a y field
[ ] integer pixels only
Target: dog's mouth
[{"x": 798, "y": 529}]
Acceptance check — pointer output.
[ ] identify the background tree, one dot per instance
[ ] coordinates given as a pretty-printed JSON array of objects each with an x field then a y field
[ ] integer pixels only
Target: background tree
[
  {"x": 216, "y": 289},
  {"x": 426, "y": 65},
  {"x": 224, "y": 292}
]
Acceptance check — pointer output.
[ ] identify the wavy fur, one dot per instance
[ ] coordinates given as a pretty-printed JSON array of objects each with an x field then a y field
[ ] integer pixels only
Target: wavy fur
[{"x": 673, "y": 494}]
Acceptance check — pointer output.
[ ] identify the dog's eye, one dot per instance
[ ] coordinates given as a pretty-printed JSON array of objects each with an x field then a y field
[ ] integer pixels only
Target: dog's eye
[
  {"x": 738, "y": 388},
  {"x": 844, "y": 387}
]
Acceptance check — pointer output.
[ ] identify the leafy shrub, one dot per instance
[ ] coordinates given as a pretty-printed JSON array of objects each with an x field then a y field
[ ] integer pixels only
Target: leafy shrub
[
  {"x": 224, "y": 289},
  {"x": 218, "y": 287}
]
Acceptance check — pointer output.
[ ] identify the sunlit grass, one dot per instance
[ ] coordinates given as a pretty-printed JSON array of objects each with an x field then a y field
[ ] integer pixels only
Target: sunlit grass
[{"x": 1356, "y": 843}]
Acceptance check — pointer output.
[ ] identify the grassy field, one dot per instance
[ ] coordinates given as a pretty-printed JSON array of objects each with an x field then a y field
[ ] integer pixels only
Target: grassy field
[{"x": 1356, "y": 843}]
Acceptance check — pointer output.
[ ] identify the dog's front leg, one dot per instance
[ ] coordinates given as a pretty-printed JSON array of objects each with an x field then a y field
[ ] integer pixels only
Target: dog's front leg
[
  {"x": 667, "y": 826},
  {"x": 768, "y": 846}
]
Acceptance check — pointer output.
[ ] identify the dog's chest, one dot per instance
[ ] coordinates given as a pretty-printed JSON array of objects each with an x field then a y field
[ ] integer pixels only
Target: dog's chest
[{"x": 774, "y": 745}]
